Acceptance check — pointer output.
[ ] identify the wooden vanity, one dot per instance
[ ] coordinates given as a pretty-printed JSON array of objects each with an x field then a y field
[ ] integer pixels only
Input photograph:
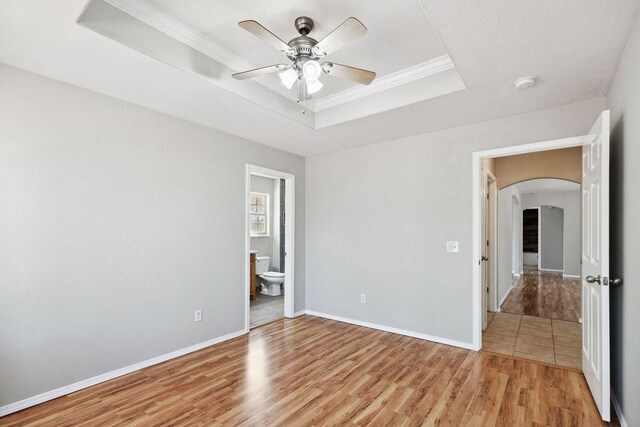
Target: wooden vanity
[{"x": 252, "y": 276}]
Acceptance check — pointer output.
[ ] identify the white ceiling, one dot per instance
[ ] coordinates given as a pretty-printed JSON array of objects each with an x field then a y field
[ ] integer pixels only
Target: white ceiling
[
  {"x": 573, "y": 46},
  {"x": 387, "y": 47},
  {"x": 546, "y": 186}
]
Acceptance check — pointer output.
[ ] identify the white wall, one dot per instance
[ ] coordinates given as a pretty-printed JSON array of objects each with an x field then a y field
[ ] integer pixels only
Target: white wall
[
  {"x": 569, "y": 201},
  {"x": 506, "y": 239},
  {"x": 264, "y": 244},
  {"x": 116, "y": 223},
  {"x": 624, "y": 102},
  {"x": 550, "y": 247},
  {"x": 378, "y": 218}
]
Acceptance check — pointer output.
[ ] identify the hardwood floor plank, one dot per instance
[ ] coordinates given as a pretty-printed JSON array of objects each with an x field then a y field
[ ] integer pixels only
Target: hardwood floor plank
[
  {"x": 312, "y": 371},
  {"x": 544, "y": 295}
]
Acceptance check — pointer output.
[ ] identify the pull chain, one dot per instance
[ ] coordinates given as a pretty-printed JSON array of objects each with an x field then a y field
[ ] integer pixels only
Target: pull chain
[{"x": 302, "y": 101}]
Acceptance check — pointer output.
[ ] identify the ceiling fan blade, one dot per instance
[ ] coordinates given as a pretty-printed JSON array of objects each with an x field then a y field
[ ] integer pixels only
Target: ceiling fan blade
[
  {"x": 261, "y": 32},
  {"x": 349, "y": 30},
  {"x": 354, "y": 74},
  {"x": 259, "y": 71}
]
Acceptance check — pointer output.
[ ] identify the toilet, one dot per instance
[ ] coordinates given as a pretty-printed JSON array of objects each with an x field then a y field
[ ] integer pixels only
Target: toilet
[{"x": 271, "y": 280}]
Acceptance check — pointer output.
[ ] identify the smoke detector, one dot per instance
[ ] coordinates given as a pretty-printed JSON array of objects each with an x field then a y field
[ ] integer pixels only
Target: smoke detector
[{"x": 525, "y": 83}]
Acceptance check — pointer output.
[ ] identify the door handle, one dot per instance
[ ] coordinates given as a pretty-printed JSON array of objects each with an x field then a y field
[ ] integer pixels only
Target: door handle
[
  {"x": 615, "y": 281},
  {"x": 591, "y": 279},
  {"x": 484, "y": 258}
]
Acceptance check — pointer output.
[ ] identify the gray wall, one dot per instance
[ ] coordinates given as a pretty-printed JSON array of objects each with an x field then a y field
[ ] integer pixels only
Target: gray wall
[
  {"x": 264, "y": 245},
  {"x": 116, "y": 223},
  {"x": 506, "y": 239},
  {"x": 569, "y": 202},
  {"x": 551, "y": 232},
  {"x": 378, "y": 218},
  {"x": 624, "y": 101}
]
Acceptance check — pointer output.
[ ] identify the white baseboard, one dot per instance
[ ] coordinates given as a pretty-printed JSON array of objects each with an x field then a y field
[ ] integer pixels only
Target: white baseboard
[
  {"x": 393, "y": 330},
  {"x": 505, "y": 296},
  {"x": 571, "y": 276},
  {"x": 62, "y": 391},
  {"x": 299, "y": 313},
  {"x": 616, "y": 406},
  {"x": 549, "y": 270}
]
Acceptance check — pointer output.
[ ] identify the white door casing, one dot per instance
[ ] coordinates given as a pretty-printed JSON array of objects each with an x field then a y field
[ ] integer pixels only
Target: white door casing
[{"x": 595, "y": 263}]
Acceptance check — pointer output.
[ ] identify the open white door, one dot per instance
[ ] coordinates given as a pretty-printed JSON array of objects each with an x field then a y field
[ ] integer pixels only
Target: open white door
[
  {"x": 595, "y": 264},
  {"x": 485, "y": 250}
]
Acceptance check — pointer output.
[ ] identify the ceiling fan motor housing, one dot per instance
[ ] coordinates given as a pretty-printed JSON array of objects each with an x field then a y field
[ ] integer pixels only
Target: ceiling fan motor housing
[{"x": 303, "y": 45}]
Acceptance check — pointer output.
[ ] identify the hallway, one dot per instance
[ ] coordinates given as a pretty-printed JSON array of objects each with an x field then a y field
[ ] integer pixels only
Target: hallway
[{"x": 546, "y": 295}]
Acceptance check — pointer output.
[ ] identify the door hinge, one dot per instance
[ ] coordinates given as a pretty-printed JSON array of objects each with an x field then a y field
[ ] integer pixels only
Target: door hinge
[
  {"x": 487, "y": 289},
  {"x": 487, "y": 243}
]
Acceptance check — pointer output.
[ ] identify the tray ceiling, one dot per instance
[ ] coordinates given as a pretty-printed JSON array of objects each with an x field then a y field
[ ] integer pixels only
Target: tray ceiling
[
  {"x": 572, "y": 46},
  {"x": 203, "y": 38}
]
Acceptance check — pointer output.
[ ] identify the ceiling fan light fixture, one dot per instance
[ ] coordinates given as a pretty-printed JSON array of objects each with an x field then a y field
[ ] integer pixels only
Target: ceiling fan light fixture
[
  {"x": 311, "y": 70},
  {"x": 288, "y": 78},
  {"x": 314, "y": 86}
]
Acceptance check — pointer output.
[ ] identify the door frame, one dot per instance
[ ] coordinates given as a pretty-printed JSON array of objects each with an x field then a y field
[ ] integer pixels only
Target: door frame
[
  {"x": 477, "y": 194},
  {"x": 516, "y": 236},
  {"x": 289, "y": 237},
  {"x": 539, "y": 209}
]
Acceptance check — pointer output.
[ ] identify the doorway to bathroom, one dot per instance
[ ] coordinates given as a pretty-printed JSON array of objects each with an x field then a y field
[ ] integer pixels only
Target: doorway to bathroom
[{"x": 269, "y": 237}]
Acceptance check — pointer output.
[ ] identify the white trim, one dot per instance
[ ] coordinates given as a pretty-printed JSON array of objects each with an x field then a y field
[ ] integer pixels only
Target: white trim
[
  {"x": 476, "y": 196},
  {"x": 62, "y": 391},
  {"x": 289, "y": 237},
  {"x": 616, "y": 406},
  {"x": 571, "y": 276},
  {"x": 156, "y": 18},
  {"x": 393, "y": 330},
  {"x": 549, "y": 270},
  {"x": 505, "y": 297},
  {"x": 539, "y": 209},
  {"x": 299, "y": 313},
  {"x": 380, "y": 84}
]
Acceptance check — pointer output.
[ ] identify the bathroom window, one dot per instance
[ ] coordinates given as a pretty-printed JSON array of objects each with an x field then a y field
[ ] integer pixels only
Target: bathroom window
[{"x": 259, "y": 215}]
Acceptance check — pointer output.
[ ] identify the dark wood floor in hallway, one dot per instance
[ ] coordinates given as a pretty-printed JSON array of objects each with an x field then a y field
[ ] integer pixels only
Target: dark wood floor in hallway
[
  {"x": 544, "y": 294},
  {"x": 313, "y": 371}
]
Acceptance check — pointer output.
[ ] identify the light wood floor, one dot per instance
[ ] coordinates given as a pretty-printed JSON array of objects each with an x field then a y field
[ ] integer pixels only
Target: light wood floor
[
  {"x": 544, "y": 294},
  {"x": 312, "y": 371}
]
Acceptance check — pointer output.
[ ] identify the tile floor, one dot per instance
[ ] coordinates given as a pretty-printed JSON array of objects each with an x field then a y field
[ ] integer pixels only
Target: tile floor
[
  {"x": 265, "y": 309},
  {"x": 551, "y": 341}
]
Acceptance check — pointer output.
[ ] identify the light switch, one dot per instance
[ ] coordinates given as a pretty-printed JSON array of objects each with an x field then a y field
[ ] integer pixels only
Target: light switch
[{"x": 452, "y": 246}]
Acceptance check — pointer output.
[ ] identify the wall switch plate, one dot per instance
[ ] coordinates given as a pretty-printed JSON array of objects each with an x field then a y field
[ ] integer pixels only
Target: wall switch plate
[
  {"x": 197, "y": 315},
  {"x": 452, "y": 246},
  {"x": 363, "y": 299}
]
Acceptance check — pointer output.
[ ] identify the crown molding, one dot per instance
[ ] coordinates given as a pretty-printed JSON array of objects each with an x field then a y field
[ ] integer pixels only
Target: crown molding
[
  {"x": 399, "y": 78},
  {"x": 159, "y": 20}
]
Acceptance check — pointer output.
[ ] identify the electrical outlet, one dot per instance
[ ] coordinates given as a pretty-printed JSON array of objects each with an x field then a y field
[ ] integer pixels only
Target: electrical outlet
[
  {"x": 363, "y": 299},
  {"x": 197, "y": 315}
]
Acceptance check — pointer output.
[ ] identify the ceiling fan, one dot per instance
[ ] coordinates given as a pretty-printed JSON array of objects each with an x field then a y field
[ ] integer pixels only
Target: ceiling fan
[{"x": 304, "y": 53}]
